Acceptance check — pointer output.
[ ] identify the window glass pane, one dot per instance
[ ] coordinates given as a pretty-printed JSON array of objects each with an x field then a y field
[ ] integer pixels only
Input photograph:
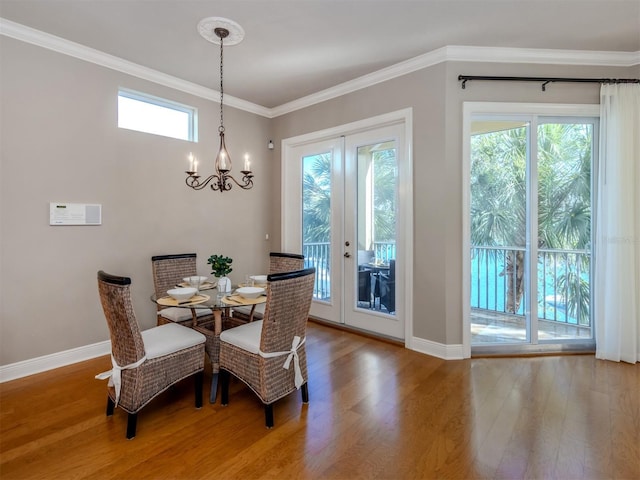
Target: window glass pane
[
  {"x": 564, "y": 227},
  {"x": 376, "y": 220},
  {"x": 153, "y": 115},
  {"x": 316, "y": 220},
  {"x": 499, "y": 155}
]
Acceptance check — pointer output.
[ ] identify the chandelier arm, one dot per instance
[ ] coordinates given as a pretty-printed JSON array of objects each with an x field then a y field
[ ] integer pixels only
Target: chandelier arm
[
  {"x": 193, "y": 182},
  {"x": 221, "y": 185},
  {"x": 247, "y": 180}
]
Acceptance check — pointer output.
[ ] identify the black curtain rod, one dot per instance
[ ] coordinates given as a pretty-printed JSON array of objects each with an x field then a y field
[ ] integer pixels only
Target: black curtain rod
[{"x": 545, "y": 80}]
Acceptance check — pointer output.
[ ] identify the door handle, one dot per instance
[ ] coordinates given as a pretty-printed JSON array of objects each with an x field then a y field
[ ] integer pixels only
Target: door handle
[{"x": 347, "y": 255}]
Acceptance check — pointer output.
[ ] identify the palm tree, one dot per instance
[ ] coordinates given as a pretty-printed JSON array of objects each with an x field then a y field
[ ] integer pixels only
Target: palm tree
[
  {"x": 384, "y": 195},
  {"x": 498, "y": 207},
  {"x": 316, "y": 195}
]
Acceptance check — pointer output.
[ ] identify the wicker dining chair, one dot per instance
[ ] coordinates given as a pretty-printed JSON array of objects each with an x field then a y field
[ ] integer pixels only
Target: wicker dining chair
[
  {"x": 168, "y": 271},
  {"x": 269, "y": 355},
  {"x": 144, "y": 363},
  {"x": 278, "y": 262}
]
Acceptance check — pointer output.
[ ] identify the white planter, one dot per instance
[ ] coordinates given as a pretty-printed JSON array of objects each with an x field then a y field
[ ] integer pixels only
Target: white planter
[{"x": 224, "y": 284}]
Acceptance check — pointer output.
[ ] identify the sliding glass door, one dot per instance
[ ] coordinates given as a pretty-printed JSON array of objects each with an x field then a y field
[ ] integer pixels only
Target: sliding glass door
[{"x": 530, "y": 204}]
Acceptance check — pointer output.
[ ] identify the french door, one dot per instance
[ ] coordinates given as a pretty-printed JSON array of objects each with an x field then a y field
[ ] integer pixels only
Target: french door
[
  {"x": 342, "y": 212},
  {"x": 530, "y": 213}
]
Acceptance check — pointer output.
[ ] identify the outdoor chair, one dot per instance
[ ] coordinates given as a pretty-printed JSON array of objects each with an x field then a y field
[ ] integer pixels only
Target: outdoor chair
[
  {"x": 364, "y": 286},
  {"x": 388, "y": 288},
  {"x": 269, "y": 355},
  {"x": 144, "y": 363},
  {"x": 168, "y": 271}
]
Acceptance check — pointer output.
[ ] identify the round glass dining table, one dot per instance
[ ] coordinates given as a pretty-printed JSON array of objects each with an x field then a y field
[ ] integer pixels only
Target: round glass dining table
[{"x": 220, "y": 304}]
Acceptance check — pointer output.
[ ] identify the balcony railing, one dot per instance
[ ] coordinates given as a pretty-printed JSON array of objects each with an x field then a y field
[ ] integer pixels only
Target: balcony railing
[
  {"x": 384, "y": 251},
  {"x": 318, "y": 255},
  {"x": 497, "y": 285}
]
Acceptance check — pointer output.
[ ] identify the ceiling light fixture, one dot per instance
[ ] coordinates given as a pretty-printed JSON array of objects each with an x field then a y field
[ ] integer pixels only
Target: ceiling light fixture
[{"x": 218, "y": 30}]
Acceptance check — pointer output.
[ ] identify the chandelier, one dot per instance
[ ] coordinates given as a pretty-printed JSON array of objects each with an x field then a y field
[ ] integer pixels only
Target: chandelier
[{"x": 216, "y": 30}]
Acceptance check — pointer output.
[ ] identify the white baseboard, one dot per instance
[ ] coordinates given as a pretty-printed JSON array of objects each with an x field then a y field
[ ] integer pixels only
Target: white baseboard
[
  {"x": 440, "y": 350},
  {"x": 55, "y": 360},
  {"x": 75, "y": 355}
]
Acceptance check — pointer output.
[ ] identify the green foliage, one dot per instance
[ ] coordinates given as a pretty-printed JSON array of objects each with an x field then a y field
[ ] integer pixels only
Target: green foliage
[
  {"x": 384, "y": 195},
  {"x": 499, "y": 190},
  {"x": 220, "y": 265},
  {"x": 577, "y": 296},
  {"x": 316, "y": 194},
  {"x": 499, "y": 197}
]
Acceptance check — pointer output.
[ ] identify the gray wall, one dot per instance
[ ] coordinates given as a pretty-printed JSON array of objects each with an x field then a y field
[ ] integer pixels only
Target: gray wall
[
  {"x": 437, "y": 100},
  {"x": 60, "y": 143}
]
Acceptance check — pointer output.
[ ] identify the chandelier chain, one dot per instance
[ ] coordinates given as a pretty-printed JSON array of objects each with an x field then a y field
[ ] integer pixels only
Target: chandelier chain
[{"x": 221, "y": 127}]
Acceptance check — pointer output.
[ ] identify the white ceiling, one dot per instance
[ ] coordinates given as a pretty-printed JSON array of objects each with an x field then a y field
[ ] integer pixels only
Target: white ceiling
[{"x": 295, "y": 48}]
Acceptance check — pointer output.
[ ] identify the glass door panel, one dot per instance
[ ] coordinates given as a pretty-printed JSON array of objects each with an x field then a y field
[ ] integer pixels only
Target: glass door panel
[
  {"x": 376, "y": 226},
  {"x": 313, "y": 219},
  {"x": 564, "y": 230},
  {"x": 498, "y": 194},
  {"x": 371, "y": 216},
  {"x": 316, "y": 220}
]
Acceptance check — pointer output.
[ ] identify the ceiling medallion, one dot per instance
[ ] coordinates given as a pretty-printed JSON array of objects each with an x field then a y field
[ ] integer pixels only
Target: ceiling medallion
[{"x": 207, "y": 28}]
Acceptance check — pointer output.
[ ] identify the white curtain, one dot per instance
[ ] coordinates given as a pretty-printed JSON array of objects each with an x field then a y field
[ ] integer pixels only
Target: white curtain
[{"x": 617, "y": 249}]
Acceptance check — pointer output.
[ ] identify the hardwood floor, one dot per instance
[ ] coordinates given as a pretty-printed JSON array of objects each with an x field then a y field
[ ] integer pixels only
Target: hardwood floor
[{"x": 376, "y": 411}]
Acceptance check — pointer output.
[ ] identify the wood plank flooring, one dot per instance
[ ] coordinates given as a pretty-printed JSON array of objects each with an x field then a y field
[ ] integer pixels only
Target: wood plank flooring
[{"x": 376, "y": 411}]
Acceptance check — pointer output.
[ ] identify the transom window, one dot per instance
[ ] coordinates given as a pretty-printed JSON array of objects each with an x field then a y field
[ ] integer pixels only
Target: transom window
[{"x": 150, "y": 114}]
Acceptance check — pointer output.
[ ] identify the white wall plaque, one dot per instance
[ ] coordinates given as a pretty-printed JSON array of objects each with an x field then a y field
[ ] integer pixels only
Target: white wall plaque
[{"x": 75, "y": 214}]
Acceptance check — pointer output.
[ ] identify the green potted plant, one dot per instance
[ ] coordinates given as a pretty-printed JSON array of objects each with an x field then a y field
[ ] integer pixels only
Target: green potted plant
[{"x": 221, "y": 267}]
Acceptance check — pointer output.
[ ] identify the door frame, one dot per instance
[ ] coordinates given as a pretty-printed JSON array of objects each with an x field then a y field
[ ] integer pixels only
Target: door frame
[
  {"x": 291, "y": 219},
  {"x": 470, "y": 109}
]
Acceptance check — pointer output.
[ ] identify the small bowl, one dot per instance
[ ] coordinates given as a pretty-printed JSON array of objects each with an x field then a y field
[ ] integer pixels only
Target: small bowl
[
  {"x": 259, "y": 279},
  {"x": 250, "y": 292},
  {"x": 195, "y": 281},
  {"x": 182, "y": 294}
]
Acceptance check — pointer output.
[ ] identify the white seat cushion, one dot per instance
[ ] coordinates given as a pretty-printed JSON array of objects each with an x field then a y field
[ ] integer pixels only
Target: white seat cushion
[
  {"x": 177, "y": 314},
  {"x": 169, "y": 338},
  {"x": 245, "y": 336},
  {"x": 258, "y": 313}
]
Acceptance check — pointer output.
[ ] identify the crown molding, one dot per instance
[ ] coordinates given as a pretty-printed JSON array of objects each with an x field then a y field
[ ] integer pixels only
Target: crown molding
[
  {"x": 452, "y": 53},
  {"x": 82, "y": 52},
  {"x": 455, "y": 53},
  {"x": 542, "y": 56},
  {"x": 399, "y": 69}
]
